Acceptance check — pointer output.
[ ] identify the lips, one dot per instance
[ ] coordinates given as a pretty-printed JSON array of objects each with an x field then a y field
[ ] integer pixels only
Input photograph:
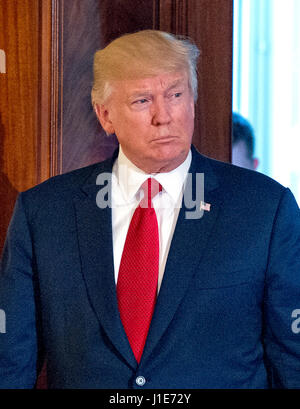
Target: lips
[{"x": 167, "y": 138}]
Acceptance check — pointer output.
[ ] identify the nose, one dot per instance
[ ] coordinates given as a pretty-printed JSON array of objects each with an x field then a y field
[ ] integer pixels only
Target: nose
[{"x": 160, "y": 112}]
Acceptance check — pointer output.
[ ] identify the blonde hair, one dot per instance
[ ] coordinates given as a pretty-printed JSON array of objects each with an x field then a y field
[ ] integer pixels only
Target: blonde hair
[{"x": 143, "y": 54}]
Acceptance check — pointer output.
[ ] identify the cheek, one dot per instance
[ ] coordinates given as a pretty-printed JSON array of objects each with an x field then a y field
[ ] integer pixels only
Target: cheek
[
  {"x": 125, "y": 129},
  {"x": 139, "y": 121},
  {"x": 140, "y": 130},
  {"x": 186, "y": 114},
  {"x": 187, "y": 121}
]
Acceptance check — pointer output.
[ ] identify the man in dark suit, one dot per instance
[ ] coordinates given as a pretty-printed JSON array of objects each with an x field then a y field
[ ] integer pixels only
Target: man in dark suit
[{"x": 194, "y": 286}]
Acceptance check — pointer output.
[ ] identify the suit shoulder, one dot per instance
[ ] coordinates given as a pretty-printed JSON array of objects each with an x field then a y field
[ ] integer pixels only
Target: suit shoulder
[
  {"x": 245, "y": 181},
  {"x": 65, "y": 181},
  {"x": 64, "y": 185}
]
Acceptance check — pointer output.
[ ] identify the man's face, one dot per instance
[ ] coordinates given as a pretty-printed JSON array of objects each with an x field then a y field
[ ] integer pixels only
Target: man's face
[
  {"x": 241, "y": 158},
  {"x": 153, "y": 119}
]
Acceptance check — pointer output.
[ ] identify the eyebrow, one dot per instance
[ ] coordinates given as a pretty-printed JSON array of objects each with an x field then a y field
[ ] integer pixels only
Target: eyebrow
[
  {"x": 175, "y": 84},
  {"x": 140, "y": 93}
]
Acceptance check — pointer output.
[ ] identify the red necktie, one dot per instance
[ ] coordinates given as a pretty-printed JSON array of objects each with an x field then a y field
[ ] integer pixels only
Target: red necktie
[{"x": 138, "y": 273}]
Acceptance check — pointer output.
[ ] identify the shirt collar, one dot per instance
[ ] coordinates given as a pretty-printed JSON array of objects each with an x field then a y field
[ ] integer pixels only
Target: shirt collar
[{"x": 130, "y": 178}]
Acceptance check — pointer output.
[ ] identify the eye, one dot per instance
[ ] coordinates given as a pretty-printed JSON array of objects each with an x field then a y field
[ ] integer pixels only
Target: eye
[
  {"x": 175, "y": 95},
  {"x": 140, "y": 101}
]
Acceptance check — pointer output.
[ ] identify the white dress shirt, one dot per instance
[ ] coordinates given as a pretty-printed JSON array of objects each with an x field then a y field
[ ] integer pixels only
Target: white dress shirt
[{"x": 126, "y": 182}]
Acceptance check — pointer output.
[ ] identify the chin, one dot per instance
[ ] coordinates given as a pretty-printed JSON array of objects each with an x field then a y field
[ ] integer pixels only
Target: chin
[
  {"x": 166, "y": 163},
  {"x": 172, "y": 152}
]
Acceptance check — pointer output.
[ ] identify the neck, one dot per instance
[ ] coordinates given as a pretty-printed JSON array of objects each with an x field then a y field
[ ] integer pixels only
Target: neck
[{"x": 159, "y": 167}]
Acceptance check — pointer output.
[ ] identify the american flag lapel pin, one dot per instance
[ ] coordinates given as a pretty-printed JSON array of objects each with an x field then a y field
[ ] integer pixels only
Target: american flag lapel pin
[{"x": 205, "y": 206}]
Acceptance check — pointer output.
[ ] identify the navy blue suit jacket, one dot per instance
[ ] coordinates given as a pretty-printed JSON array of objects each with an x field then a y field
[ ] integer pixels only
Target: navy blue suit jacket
[{"x": 225, "y": 314}]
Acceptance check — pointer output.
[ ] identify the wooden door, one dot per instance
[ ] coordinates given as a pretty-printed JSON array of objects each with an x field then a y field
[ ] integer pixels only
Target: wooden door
[{"x": 24, "y": 100}]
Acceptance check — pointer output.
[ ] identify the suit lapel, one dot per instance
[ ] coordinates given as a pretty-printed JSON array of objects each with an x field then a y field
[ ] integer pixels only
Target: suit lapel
[
  {"x": 96, "y": 251},
  {"x": 191, "y": 236}
]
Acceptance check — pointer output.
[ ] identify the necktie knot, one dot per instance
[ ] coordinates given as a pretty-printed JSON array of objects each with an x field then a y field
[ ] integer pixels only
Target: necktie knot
[{"x": 151, "y": 187}]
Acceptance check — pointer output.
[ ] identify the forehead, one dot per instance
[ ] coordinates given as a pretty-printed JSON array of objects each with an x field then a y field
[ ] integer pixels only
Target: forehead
[{"x": 161, "y": 82}]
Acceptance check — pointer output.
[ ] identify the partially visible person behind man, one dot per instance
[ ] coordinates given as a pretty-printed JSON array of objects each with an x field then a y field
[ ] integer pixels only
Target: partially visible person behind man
[
  {"x": 145, "y": 297},
  {"x": 243, "y": 140}
]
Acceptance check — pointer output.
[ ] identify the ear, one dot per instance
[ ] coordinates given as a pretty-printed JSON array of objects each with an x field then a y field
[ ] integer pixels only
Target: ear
[{"x": 103, "y": 114}]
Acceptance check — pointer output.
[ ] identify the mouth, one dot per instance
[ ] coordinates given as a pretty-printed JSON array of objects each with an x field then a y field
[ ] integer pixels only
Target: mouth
[{"x": 164, "y": 139}]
